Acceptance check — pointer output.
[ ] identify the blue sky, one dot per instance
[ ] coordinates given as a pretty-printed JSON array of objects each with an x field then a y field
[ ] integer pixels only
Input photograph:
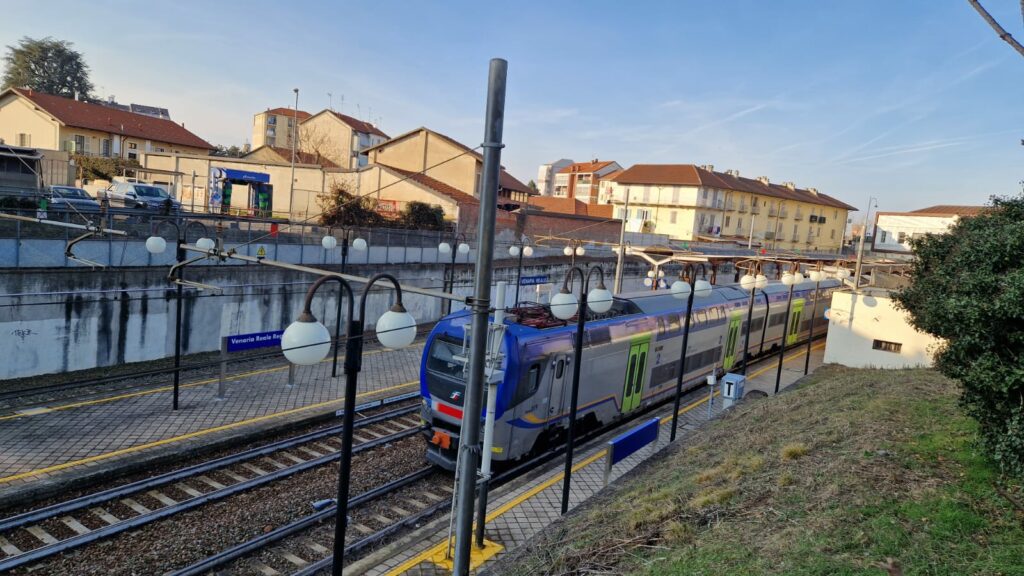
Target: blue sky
[{"x": 915, "y": 102}]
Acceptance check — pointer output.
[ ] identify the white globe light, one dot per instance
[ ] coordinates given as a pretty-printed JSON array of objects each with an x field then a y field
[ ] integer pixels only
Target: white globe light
[
  {"x": 513, "y": 250},
  {"x": 329, "y": 242},
  {"x": 798, "y": 278},
  {"x": 567, "y": 250},
  {"x": 661, "y": 273},
  {"x": 156, "y": 245},
  {"x": 600, "y": 300},
  {"x": 444, "y": 248},
  {"x": 305, "y": 343},
  {"x": 396, "y": 328},
  {"x": 788, "y": 279},
  {"x": 580, "y": 251},
  {"x": 702, "y": 289},
  {"x": 648, "y": 281},
  {"x": 747, "y": 282},
  {"x": 760, "y": 281},
  {"x": 527, "y": 251},
  {"x": 564, "y": 305},
  {"x": 463, "y": 248},
  {"x": 681, "y": 290},
  {"x": 650, "y": 273},
  {"x": 206, "y": 244},
  {"x": 359, "y": 244}
]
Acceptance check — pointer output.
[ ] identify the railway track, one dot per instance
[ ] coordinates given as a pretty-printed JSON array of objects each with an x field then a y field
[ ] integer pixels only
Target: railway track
[{"x": 35, "y": 535}]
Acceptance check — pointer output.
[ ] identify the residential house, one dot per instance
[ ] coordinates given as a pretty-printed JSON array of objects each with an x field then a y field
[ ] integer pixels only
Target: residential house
[
  {"x": 696, "y": 203},
  {"x": 546, "y": 176},
  {"x": 274, "y": 126},
  {"x": 895, "y": 230},
  {"x": 43, "y": 121},
  {"x": 582, "y": 180},
  {"x": 340, "y": 138}
]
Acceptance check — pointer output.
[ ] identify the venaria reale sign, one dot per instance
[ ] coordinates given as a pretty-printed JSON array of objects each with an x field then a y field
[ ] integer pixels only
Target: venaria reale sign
[{"x": 241, "y": 342}]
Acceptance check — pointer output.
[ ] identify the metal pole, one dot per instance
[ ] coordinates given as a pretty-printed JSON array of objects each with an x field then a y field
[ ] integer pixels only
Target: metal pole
[
  {"x": 750, "y": 238},
  {"x": 860, "y": 245},
  {"x": 570, "y": 444},
  {"x": 622, "y": 246},
  {"x": 746, "y": 337},
  {"x": 223, "y": 366},
  {"x": 177, "y": 322},
  {"x": 492, "y": 395},
  {"x": 682, "y": 359},
  {"x": 810, "y": 332},
  {"x": 519, "y": 275},
  {"x": 468, "y": 445},
  {"x": 785, "y": 334},
  {"x": 353, "y": 363},
  {"x": 295, "y": 126},
  {"x": 344, "y": 251},
  {"x": 193, "y": 209},
  {"x": 337, "y": 334}
]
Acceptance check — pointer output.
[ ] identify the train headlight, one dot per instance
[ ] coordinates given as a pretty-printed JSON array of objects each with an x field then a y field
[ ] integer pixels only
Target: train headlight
[
  {"x": 600, "y": 299},
  {"x": 564, "y": 305}
]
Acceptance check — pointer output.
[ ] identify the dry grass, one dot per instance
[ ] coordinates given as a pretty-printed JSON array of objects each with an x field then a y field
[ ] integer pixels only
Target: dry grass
[{"x": 854, "y": 467}]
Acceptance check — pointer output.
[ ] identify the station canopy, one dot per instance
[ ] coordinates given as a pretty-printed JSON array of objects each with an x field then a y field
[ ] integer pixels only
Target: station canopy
[{"x": 245, "y": 176}]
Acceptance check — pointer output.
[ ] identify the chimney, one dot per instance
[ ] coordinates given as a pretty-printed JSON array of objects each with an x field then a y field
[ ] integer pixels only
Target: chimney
[
  {"x": 710, "y": 167},
  {"x": 813, "y": 191},
  {"x": 789, "y": 185},
  {"x": 764, "y": 180},
  {"x": 733, "y": 173}
]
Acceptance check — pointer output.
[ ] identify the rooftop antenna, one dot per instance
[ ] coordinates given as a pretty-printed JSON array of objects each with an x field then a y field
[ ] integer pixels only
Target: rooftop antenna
[
  {"x": 359, "y": 111},
  {"x": 341, "y": 107},
  {"x": 369, "y": 114},
  {"x": 330, "y": 101}
]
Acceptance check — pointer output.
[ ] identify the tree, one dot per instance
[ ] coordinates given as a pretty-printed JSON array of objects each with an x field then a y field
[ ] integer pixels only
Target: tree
[
  {"x": 233, "y": 151},
  {"x": 968, "y": 289},
  {"x": 532, "y": 186},
  {"x": 48, "y": 66},
  {"x": 422, "y": 216},
  {"x": 102, "y": 168}
]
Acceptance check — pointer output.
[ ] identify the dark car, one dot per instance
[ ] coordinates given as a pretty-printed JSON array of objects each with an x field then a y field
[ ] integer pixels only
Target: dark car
[
  {"x": 72, "y": 199},
  {"x": 136, "y": 195}
]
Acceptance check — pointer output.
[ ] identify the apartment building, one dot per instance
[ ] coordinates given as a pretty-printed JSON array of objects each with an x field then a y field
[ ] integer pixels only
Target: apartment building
[
  {"x": 33, "y": 119},
  {"x": 546, "y": 176},
  {"x": 582, "y": 180},
  {"x": 696, "y": 203},
  {"x": 340, "y": 138},
  {"x": 274, "y": 127}
]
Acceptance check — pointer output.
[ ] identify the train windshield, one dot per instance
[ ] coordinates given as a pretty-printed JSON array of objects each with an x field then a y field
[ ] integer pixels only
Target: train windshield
[{"x": 442, "y": 357}]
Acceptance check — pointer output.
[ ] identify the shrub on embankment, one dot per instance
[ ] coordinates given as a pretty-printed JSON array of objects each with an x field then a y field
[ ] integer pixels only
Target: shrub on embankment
[
  {"x": 855, "y": 472},
  {"x": 967, "y": 288}
]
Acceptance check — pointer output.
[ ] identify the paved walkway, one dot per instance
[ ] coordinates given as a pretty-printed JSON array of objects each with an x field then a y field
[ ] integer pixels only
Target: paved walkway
[
  {"x": 525, "y": 507},
  {"x": 60, "y": 442}
]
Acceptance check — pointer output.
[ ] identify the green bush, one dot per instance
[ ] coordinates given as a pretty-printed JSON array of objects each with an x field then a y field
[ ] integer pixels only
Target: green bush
[
  {"x": 103, "y": 168},
  {"x": 422, "y": 216},
  {"x": 968, "y": 289}
]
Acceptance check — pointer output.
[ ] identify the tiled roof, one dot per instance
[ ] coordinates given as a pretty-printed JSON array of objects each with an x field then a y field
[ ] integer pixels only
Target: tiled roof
[
  {"x": 97, "y": 117},
  {"x": 505, "y": 180},
  {"x": 950, "y": 210},
  {"x": 690, "y": 175},
  {"x": 289, "y": 112},
  {"x": 359, "y": 125},
  {"x": 434, "y": 184},
  {"x": 301, "y": 157},
  {"x": 586, "y": 167}
]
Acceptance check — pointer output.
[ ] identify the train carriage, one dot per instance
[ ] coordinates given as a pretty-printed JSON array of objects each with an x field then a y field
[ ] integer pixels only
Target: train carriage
[{"x": 630, "y": 360}]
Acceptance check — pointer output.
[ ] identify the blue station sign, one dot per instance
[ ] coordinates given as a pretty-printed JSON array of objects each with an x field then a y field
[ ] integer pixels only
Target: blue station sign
[
  {"x": 240, "y": 342},
  {"x": 534, "y": 280}
]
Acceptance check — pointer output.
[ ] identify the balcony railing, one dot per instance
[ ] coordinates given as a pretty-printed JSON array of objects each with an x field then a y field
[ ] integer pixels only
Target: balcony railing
[
  {"x": 742, "y": 208},
  {"x": 773, "y": 212},
  {"x": 755, "y": 209},
  {"x": 798, "y": 215},
  {"x": 783, "y": 213},
  {"x": 730, "y": 205}
]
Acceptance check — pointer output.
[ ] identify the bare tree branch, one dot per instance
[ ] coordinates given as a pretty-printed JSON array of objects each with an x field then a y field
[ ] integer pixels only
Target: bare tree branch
[{"x": 1003, "y": 34}]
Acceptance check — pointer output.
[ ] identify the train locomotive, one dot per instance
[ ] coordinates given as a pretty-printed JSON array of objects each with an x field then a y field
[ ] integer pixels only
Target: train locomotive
[{"x": 630, "y": 360}]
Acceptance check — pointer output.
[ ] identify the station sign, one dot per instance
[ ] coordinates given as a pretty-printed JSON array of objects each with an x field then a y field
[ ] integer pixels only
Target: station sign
[
  {"x": 534, "y": 280},
  {"x": 239, "y": 342}
]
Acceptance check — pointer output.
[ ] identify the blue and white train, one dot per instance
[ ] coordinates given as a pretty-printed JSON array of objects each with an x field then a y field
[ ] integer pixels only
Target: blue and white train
[{"x": 630, "y": 360}]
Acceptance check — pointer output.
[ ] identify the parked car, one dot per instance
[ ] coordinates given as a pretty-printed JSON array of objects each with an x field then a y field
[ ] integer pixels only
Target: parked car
[
  {"x": 72, "y": 199},
  {"x": 135, "y": 195}
]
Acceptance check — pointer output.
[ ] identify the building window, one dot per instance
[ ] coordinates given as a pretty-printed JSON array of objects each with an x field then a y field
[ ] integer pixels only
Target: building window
[
  {"x": 105, "y": 147},
  {"x": 644, "y": 215},
  {"x": 132, "y": 145},
  {"x": 902, "y": 237},
  {"x": 271, "y": 120},
  {"x": 24, "y": 140},
  {"x": 882, "y": 239},
  {"x": 886, "y": 346},
  {"x": 647, "y": 195},
  {"x": 675, "y": 195},
  {"x": 739, "y": 222},
  {"x": 832, "y": 234},
  {"x": 133, "y": 155},
  {"x": 672, "y": 217},
  {"x": 727, "y": 219},
  {"x": 158, "y": 149}
]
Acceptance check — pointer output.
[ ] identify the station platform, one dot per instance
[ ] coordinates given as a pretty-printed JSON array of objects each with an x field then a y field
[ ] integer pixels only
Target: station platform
[
  {"x": 47, "y": 448},
  {"x": 527, "y": 505}
]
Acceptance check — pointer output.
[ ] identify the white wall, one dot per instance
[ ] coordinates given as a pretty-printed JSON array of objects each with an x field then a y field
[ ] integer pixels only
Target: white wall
[
  {"x": 889, "y": 227},
  {"x": 857, "y": 320}
]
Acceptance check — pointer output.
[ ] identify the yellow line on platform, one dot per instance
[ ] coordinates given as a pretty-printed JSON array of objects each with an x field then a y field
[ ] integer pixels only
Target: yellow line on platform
[
  {"x": 196, "y": 434},
  {"x": 433, "y": 551},
  {"x": 49, "y": 409}
]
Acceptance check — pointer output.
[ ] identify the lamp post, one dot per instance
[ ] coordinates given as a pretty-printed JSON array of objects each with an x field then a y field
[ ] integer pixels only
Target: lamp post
[
  {"x": 791, "y": 279},
  {"x": 860, "y": 245},
  {"x": 156, "y": 245},
  {"x": 816, "y": 275},
  {"x": 687, "y": 287},
  {"x": 329, "y": 242},
  {"x": 572, "y": 250},
  {"x": 307, "y": 341},
  {"x": 564, "y": 306},
  {"x": 295, "y": 127},
  {"x": 455, "y": 247},
  {"x": 519, "y": 249},
  {"x": 751, "y": 283}
]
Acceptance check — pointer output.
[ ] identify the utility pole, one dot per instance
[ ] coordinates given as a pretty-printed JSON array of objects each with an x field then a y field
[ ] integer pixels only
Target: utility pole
[
  {"x": 750, "y": 238},
  {"x": 295, "y": 127},
  {"x": 860, "y": 245},
  {"x": 622, "y": 246},
  {"x": 469, "y": 447}
]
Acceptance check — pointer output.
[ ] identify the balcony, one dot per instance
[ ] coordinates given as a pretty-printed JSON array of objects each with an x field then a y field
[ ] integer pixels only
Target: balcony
[
  {"x": 730, "y": 205},
  {"x": 798, "y": 215},
  {"x": 796, "y": 238},
  {"x": 755, "y": 209},
  {"x": 783, "y": 213},
  {"x": 742, "y": 208},
  {"x": 773, "y": 212}
]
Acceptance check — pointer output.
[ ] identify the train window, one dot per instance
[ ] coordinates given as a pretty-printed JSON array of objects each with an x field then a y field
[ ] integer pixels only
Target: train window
[
  {"x": 529, "y": 385},
  {"x": 559, "y": 368},
  {"x": 598, "y": 335},
  {"x": 442, "y": 357},
  {"x": 701, "y": 317},
  {"x": 714, "y": 313}
]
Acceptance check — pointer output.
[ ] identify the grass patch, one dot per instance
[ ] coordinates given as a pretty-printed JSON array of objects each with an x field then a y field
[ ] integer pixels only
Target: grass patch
[{"x": 854, "y": 473}]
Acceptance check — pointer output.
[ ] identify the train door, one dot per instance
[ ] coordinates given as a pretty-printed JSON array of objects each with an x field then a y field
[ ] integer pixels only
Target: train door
[
  {"x": 795, "y": 316},
  {"x": 559, "y": 368},
  {"x": 735, "y": 321},
  {"x": 636, "y": 372}
]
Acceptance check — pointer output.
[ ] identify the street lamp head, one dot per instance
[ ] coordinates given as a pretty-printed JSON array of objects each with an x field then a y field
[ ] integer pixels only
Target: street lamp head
[
  {"x": 329, "y": 242},
  {"x": 702, "y": 289},
  {"x": 650, "y": 273},
  {"x": 527, "y": 251},
  {"x": 444, "y": 248},
  {"x": 156, "y": 245},
  {"x": 580, "y": 251},
  {"x": 564, "y": 305},
  {"x": 661, "y": 273},
  {"x": 305, "y": 341},
  {"x": 359, "y": 244},
  {"x": 648, "y": 282},
  {"x": 396, "y": 328},
  {"x": 513, "y": 250},
  {"x": 788, "y": 278},
  {"x": 798, "y": 277},
  {"x": 760, "y": 281},
  {"x": 567, "y": 250},
  {"x": 600, "y": 299},
  {"x": 463, "y": 248},
  {"x": 206, "y": 244},
  {"x": 681, "y": 289},
  {"x": 748, "y": 282}
]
